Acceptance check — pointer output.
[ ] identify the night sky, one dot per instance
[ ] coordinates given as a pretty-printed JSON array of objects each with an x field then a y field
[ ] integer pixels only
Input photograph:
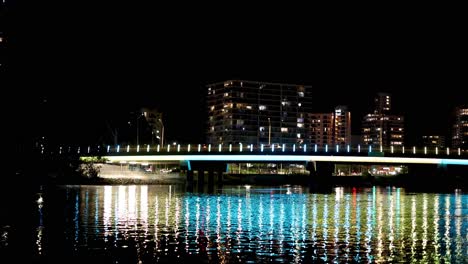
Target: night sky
[{"x": 94, "y": 65}]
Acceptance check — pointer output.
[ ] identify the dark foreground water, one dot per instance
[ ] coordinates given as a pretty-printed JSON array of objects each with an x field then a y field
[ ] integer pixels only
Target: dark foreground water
[{"x": 147, "y": 224}]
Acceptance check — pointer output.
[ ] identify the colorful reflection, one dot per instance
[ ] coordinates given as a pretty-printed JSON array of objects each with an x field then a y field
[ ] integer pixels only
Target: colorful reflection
[{"x": 252, "y": 224}]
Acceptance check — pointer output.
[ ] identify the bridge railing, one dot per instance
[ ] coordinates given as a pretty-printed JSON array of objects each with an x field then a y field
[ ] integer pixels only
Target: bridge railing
[{"x": 238, "y": 149}]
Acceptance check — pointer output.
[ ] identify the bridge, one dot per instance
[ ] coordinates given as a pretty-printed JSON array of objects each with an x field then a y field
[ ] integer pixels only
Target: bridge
[{"x": 320, "y": 160}]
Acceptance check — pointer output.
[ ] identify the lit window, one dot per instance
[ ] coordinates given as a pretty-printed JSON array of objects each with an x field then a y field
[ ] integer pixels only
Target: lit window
[
  {"x": 262, "y": 107},
  {"x": 298, "y": 135},
  {"x": 212, "y": 108},
  {"x": 300, "y": 125},
  {"x": 212, "y": 128},
  {"x": 299, "y": 104},
  {"x": 301, "y": 94},
  {"x": 300, "y": 120},
  {"x": 284, "y": 129},
  {"x": 226, "y": 94},
  {"x": 262, "y": 129}
]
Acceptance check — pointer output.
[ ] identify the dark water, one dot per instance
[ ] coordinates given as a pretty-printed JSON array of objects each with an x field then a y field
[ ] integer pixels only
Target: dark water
[{"x": 147, "y": 224}]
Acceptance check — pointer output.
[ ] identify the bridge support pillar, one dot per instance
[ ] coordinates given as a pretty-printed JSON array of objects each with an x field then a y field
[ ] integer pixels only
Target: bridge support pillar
[
  {"x": 220, "y": 177},
  {"x": 210, "y": 181},
  {"x": 189, "y": 180},
  {"x": 201, "y": 179},
  {"x": 320, "y": 175}
]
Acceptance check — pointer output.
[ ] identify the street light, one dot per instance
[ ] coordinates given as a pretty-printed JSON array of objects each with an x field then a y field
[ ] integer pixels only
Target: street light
[
  {"x": 162, "y": 131},
  {"x": 269, "y": 132},
  {"x": 138, "y": 128}
]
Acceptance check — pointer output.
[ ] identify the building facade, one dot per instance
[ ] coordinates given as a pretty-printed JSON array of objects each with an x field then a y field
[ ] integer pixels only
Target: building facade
[
  {"x": 330, "y": 128},
  {"x": 382, "y": 128},
  {"x": 251, "y": 112},
  {"x": 433, "y": 141},
  {"x": 460, "y": 128}
]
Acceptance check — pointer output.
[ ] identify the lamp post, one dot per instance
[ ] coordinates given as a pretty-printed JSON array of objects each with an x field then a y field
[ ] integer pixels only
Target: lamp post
[
  {"x": 269, "y": 132},
  {"x": 138, "y": 128},
  {"x": 162, "y": 131}
]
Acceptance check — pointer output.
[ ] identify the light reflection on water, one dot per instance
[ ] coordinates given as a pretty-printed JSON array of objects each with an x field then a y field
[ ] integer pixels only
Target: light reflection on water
[{"x": 160, "y": 223}]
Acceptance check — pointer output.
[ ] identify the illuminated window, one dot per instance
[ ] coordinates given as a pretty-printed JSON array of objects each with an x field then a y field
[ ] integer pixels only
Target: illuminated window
[
  {"x": 262, "y": 107},
  {"x": 300, "y": 125},
  {"x": 262, "y": 129},
  {"x": 301, "y": 94},
  {"x": 249, "y": 107},
  {"x": 226, "y": 94},
  {"x": 212, "y": 107},
  {"x": 284, "y": 129},
  {"x": 298, "y": 135}
]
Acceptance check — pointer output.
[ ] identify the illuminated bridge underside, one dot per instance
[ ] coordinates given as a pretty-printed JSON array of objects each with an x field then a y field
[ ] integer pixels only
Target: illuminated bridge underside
[{"x": 287, "y": 158}]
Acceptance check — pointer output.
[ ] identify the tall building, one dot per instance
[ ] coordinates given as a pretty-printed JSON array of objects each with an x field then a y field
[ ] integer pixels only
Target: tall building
[
  {"x": 321, "y": 128},
  {"x": 382, "y": 128},
  {"x": 154, "y": 119},
  {"x": 342, "y": 126},
  {"x": 460, "y": 128},
  {"x": 330, "y": 128},
  {"x": 433, "y": 141},
  {"x": 257, "y": 112}
]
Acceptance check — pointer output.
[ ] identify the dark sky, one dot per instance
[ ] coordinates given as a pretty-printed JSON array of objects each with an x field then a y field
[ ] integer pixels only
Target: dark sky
[{"x": 96, "y": 64}]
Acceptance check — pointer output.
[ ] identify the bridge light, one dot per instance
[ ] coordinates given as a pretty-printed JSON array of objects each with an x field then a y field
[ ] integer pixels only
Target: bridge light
[
  {"x": 138, "y": 148},
  {"x": 337, "y": 148},
  {"x": 425, "y": 150},
  {"x": 261, "y": 148},
  {"x": 148, "y": 148},
  {"x": 157, "y": 148},
  {"x": 240, "y": 147},
  {"x": 188, "y": 148},
  {"x": 118, "y": 148},
  {"x": 283, "y": 148},
  {"x": 251, "y": 147},
  {"x": 294, "y": 147},
  {"x": 230, "y": 147},
  {"x": 437, "y": 151},
  {"x": 359, "y": 148},
  {"x": 108, "y": 148},
  {"x": 178, "y": 147},
  {"x": 391, "y": 149},
  {"x": 448, "y": 151},
  {"x": 168, "y": 147},
  {"x": 199, "y": 147},
  {"x": 219, "y": 148},
  {"x": 348, "y": 148},
  {"x": 370, "y": 149},
  {"x": 326, "y": 148},
  {"x": 459, "y": 153},
  {"x": 414, "y": 150},
  {"x": 128, "y": 148},
  {"x": 273, "y": 148},
  {"x": 209, "y": 147},
  {"x": 305, "y": 148},
  {"x": 315, "y": 148}
]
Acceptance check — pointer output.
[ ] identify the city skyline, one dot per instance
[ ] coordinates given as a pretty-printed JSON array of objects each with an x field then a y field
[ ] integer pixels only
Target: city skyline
[{"x": 106, "y": 66}]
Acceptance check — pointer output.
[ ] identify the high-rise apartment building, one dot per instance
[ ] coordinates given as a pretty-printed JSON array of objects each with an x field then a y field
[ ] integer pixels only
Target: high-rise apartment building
[
  {"x": 330, "y": 128},
  {"x": 460, "y": 128},
  {"x": 253, "y": 112},
  {"x": 381, "y": 128}
]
